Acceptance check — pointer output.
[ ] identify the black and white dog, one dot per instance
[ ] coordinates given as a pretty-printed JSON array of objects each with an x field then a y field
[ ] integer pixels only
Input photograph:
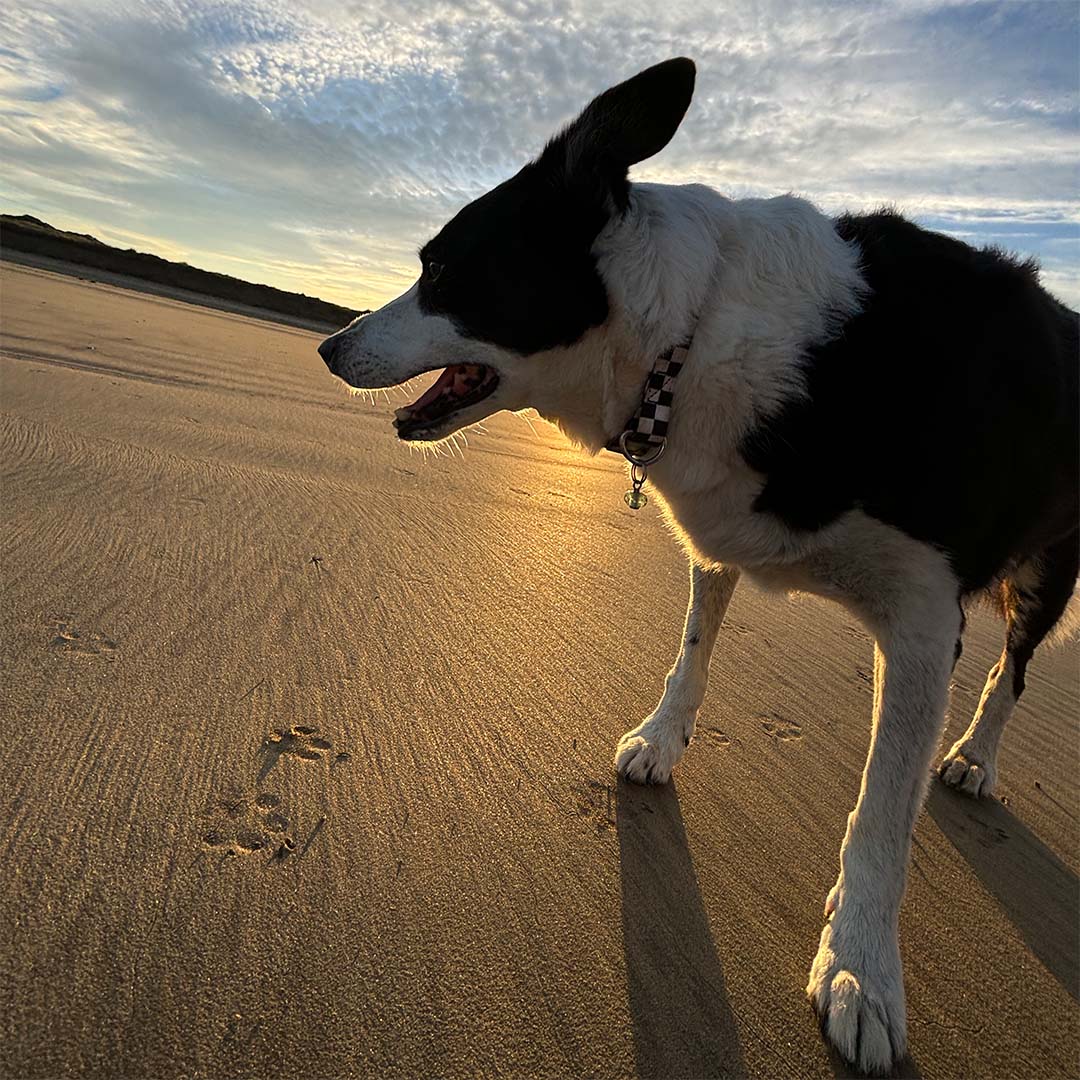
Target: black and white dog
[{"x": 867, "y": 411}]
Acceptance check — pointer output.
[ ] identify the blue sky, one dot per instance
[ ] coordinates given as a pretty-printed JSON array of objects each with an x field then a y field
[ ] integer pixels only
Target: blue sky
[{"x": 315, "y": 144}]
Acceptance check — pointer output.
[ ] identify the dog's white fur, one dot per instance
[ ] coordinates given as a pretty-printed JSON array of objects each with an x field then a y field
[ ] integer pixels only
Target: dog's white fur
[
  {"x": 754, "y": 281},
  {"x": 971, "y": 764}
]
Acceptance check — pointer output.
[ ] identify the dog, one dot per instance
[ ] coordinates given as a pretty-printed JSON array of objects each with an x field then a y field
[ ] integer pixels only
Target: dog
[{"x": 865, "y": 410}]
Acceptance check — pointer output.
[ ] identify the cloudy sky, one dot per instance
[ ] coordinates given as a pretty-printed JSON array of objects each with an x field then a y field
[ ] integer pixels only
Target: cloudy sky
[{"x": 315, "y": 145}]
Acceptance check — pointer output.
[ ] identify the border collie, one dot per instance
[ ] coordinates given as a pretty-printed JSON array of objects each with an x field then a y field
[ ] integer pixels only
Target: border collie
[{"x": 866, "y": 411}]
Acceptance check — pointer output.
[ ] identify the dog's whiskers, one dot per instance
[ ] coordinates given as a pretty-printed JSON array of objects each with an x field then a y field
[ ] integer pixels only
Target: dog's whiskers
[{"x": 524, "y": 414}]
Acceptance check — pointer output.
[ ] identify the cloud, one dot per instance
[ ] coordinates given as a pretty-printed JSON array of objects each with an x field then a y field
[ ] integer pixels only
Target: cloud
[{"x": 316, "y": 145}]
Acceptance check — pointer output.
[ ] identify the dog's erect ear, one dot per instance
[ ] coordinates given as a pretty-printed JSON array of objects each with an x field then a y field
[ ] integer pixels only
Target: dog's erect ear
[{"x": 624, "y": 125}]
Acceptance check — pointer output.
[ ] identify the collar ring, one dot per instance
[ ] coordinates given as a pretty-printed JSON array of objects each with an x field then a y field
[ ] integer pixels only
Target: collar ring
[{"x": 641, "y": 460}]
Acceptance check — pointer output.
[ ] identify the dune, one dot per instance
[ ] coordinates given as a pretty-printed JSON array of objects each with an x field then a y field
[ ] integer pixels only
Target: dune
[{"x": 306, "y": 763}]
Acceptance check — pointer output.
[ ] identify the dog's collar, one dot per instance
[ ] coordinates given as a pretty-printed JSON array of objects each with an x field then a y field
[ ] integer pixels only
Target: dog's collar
[{"x": 644, "y": 438}]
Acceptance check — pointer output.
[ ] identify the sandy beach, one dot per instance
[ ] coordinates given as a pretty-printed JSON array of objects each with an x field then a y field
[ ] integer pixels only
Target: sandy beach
[{"x": 307, "y": 740}]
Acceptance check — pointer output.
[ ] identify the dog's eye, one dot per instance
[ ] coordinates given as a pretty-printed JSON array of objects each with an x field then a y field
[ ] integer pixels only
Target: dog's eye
[{"x": 434, "y": 269}]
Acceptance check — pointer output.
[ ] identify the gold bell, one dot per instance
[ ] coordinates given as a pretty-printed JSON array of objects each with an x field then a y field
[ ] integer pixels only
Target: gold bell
[{"x": 635, "y": 498}]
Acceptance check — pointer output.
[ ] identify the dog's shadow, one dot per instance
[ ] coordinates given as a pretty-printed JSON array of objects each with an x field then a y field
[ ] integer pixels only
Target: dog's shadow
[
  {"x": 682, "y": 1022},
  {"x": 1039, "y": 894}
]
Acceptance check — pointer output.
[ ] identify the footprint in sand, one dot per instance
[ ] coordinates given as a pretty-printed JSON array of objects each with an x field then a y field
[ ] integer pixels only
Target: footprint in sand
[
  {"x": 776, "y": 727},
  {"x": 298, "y": 741},
  {"x": 714, "y": 736},
  {"x": 252, "y": 827},
  {"x": 274, "y": 821},
  {"x": 596, "y": 800},
  {"x": 70, "y": 639},
  {"x": 233, "y": 805},
  {"x": 251, "y": 840},
  {"x": 247, "y": 823}
]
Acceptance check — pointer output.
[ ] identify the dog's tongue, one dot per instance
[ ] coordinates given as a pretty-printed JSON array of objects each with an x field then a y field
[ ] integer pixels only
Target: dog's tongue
[
  {"x": 442, "y": 385},
  {"x": 456, "y": 381}
]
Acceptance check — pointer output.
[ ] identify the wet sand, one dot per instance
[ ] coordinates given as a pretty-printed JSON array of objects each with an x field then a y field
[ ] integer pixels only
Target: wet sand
[{"x": 306, "y": 756}]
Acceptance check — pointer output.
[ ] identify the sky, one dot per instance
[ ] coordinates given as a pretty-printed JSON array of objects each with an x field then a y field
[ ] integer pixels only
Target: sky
[{"x": 316, "y": 144}]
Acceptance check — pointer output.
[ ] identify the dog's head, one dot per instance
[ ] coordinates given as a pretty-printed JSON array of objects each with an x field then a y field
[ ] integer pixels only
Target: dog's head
[{"x": 513, "y": 276}]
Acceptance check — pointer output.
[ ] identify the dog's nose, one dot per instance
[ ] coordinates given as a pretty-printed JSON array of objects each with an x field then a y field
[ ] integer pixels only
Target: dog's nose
[{"x": 328, "y": 349}]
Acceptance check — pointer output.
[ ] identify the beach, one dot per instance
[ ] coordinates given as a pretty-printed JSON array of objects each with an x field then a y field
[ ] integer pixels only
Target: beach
[{"x": 307, "y": 750}]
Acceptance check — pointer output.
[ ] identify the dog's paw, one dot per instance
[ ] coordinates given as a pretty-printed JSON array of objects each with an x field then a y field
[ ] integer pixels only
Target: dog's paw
[
  {"x": 648, "y": 753},
  {"x": 858, "y": 994},
  {"x": 968, "y": 770}
]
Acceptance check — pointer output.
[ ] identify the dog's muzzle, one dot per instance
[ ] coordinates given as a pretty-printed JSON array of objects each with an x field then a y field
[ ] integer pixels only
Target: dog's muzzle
[{"x": 330, "y": 351}]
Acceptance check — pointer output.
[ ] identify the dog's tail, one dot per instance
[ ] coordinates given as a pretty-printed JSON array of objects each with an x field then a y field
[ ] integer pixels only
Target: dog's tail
[{"x": 1032, "y": 589}]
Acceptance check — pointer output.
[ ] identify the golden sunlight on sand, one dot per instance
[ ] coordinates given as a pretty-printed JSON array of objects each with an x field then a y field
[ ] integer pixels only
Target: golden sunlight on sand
[{"x": 307, "y": 751}]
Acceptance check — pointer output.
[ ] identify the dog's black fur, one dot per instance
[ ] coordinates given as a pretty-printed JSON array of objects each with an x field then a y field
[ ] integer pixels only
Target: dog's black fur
[
  {"x": 515, "y": 267},
  {"x": 948, "y": 407}
]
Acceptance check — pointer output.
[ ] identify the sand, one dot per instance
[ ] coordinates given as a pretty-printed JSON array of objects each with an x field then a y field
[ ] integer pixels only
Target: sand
[{"x": 306, "y": 755}]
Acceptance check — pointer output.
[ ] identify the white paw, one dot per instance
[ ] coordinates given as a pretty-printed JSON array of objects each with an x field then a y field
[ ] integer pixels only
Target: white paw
[
  {"x": 968, "y": 770},
  {"x": 857, "y": 989},
  {"x": 648, "y": 753}
]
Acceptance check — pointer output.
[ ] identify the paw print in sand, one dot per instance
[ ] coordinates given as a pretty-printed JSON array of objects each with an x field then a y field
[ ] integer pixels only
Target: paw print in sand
[
  {"x": 253, "y": 828},
  {"x": 70, "y": 639},
  {"x": 776, "y": 727},
  {"x": 593, "y": 799},
  {"x": 247, "y": 823},
  {"x": 715, "y": 736},
  {"x": 298, "y": 741}
]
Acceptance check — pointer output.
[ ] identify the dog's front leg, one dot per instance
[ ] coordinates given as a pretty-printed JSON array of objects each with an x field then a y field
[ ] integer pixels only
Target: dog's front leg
[
  {"x": 649, "y": 752},
  {"x": 856, "y": 982}
]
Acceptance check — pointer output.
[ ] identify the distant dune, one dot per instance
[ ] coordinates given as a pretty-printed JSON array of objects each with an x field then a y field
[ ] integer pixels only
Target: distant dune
[{"x": 31, "y": 236}]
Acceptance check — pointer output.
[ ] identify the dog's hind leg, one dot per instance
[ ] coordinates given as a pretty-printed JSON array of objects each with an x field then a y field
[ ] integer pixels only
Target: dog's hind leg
[
  {"x": 856, "y": 983},
  {"x": 649, "y": 752},
  {"x": 1034, "y": 598}
]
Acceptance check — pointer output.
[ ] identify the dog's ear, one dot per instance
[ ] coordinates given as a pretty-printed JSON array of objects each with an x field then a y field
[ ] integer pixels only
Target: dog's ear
[{"x": 624, "y": 125}]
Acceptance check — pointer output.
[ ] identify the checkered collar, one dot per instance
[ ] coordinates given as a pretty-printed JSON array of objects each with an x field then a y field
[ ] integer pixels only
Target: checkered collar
[{"x": 646, "y": 432}]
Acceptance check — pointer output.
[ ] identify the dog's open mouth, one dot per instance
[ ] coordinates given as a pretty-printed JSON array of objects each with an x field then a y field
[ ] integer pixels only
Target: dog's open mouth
[{"x": 458, "y": 386}]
